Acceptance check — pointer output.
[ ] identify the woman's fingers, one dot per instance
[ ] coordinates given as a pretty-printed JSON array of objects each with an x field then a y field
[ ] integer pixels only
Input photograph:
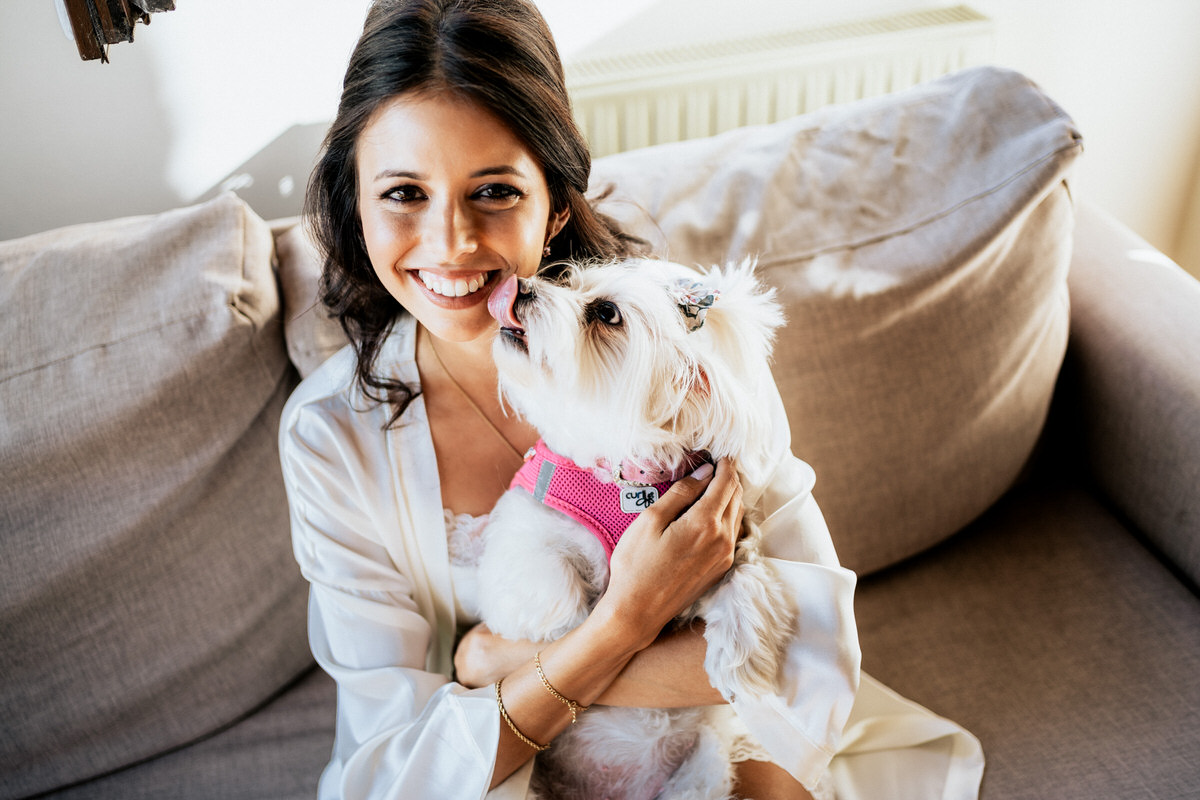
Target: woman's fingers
[
  {"x": 710, "y": 525},
  {"x": 680, "y": 546},
  {"x": 482, "y": 657},
  {"x": 680, "y": 496}
]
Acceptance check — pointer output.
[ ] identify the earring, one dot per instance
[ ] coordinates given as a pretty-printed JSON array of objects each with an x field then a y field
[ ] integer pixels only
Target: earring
[{"x": 546, "y": 251}]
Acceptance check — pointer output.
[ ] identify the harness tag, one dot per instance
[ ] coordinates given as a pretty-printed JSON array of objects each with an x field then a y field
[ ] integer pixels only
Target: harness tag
[{"x": 636, "y": 499}]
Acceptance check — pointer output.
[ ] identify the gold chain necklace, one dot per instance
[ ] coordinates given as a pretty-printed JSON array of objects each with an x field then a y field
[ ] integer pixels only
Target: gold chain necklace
[{"x": 472, "y": 403}]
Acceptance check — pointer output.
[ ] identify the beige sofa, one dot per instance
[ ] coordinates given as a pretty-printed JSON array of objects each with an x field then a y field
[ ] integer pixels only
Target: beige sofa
[{"x": 998, "y": 386}]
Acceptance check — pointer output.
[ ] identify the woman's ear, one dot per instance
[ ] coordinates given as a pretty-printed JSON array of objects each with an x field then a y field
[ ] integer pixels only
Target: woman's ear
[{"x": 556, "y": 223}]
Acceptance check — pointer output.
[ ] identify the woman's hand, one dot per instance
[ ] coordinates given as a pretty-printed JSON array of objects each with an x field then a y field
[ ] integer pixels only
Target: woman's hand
[
  {"x": 675, "y": 551},
  {"x": 483, "y": 657}
]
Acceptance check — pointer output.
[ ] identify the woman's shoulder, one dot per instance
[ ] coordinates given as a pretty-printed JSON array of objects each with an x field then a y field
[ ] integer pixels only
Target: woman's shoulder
[
  {"x": 333, "y": 389},
  {"x": 329, "y": 412},
  {"x": 328, "y": 386}
]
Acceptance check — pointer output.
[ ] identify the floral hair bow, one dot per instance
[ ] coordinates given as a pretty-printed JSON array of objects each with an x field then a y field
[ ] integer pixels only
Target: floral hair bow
[{"x": 694, "y": 300}]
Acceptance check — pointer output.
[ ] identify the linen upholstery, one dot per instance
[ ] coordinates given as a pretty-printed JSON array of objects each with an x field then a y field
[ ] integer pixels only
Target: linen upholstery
[
  {"x": 1044, "y": 627},
  {"x": 919, "y": 242},
  {"x": 148, "y": 594}
]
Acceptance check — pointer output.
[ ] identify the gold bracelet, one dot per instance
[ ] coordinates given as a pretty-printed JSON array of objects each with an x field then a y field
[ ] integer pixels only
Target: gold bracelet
[
  {"x": 504, "y": 713},
  {"x": 569, "y": 703}
]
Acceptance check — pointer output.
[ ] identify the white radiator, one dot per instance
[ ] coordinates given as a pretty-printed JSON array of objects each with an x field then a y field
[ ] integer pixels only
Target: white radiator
[{"x": 652, "y": 97}]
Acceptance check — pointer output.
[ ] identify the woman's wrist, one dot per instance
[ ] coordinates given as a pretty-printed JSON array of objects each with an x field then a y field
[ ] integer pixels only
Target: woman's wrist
[
  {"x": 578, "y": 668},
  {"x": 623, "y": 630}
]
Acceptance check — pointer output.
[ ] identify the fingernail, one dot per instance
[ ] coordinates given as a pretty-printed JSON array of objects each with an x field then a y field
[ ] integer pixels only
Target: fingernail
[{"x": 703, "y": 471}]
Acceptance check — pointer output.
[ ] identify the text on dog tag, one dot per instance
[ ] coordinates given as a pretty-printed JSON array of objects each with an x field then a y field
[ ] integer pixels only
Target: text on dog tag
[{"x": 636, "y": 499}]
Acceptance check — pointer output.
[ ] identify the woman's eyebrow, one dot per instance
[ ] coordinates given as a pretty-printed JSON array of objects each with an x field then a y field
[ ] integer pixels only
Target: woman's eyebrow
[
  {"x": 499, "y": 169},
  {"x": 399, "y": 173}
]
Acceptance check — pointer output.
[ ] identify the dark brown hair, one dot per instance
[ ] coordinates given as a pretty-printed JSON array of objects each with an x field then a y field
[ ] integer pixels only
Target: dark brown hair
[{"x": 497, "y": 53}]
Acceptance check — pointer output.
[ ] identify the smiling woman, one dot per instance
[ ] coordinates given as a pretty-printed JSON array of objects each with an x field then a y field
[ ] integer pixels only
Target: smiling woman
[
  {"x": 454, "y": 168},
  {"x": 447, "y": 173}
]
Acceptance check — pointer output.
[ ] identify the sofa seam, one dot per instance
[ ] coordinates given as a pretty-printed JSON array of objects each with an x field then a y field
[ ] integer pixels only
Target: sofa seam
[
  {"x": 199, "y": 314},
  {"x": 236, "y": 306}
]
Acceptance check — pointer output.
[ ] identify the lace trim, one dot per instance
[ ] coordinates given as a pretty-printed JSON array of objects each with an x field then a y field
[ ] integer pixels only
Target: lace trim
[
  {"x": 464, "y": 537},
  {"x": 745, "y": 748}
]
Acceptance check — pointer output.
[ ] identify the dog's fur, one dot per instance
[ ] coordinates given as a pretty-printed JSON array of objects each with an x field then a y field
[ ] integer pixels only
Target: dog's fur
[{"x": 649, "y": 389}]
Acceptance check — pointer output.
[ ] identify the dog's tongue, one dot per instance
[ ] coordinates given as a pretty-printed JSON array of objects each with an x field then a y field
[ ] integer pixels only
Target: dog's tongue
[{"x": 500, "y": 304}]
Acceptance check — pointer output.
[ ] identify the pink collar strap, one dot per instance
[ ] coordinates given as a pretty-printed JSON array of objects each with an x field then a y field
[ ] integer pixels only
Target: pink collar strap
[{"x": 604, "y": 507}]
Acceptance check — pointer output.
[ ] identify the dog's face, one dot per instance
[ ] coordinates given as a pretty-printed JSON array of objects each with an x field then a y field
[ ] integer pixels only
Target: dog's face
[{"x": 626, "y": 359}]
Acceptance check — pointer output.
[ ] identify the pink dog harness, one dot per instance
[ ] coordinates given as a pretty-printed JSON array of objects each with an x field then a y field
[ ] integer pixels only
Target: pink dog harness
[{"x": 605, "y": 507}]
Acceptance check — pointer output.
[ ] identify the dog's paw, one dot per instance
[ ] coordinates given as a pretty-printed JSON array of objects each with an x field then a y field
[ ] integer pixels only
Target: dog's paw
[{"x": 748, "y": 621}]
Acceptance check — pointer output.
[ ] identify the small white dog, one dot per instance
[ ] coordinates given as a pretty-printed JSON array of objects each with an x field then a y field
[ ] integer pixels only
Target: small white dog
[{"x": 633, "y": 372}]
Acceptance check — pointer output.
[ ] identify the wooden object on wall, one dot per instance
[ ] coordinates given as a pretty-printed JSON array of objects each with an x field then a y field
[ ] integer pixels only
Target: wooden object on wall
[{"x": 98, "y": 23}]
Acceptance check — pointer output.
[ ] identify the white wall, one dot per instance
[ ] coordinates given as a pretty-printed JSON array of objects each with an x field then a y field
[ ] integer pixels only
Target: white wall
[
  {"x": 1127, "y": 72},
  {"x": 206, "y": 86}
]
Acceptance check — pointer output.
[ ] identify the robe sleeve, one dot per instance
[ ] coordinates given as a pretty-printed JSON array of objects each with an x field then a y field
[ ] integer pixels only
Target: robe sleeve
[{"x": 402, "y": 729}]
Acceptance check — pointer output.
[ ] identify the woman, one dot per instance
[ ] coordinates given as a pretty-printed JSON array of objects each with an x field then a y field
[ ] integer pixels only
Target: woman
[{"x": 452, "y": 164}]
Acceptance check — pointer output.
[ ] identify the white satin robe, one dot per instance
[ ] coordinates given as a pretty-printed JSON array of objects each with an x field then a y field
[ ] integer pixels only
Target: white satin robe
[{"x": 369, "y": 535}]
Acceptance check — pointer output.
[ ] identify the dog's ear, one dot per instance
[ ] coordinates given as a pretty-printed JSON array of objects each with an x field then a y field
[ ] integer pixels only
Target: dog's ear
[
  {"x": 744, "y": 316},
  {"x": 731, "y": 352}
]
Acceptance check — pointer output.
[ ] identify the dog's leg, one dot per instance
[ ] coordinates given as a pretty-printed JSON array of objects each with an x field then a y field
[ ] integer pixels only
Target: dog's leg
[
  {"x": 540, "y": 573},
  {"x": 748, "y": 620}
]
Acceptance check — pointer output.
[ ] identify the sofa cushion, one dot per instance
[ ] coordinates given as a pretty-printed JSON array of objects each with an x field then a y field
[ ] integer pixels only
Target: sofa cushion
[
  {"x": 919, "y": 242},
  {"x": 148, "y": 595},
  {"x": 312, "y": 334}
]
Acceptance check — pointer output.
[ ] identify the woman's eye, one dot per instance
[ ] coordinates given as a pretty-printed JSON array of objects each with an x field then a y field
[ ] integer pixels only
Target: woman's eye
[
  {"x": 500, "y": 193},
  {"x": 605, "y": 312},
  {"x": 404, "y": 194}
]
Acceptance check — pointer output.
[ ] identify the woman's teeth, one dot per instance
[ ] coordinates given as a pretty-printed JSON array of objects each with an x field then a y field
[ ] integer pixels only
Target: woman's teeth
[{"x": 452, "y": 287}]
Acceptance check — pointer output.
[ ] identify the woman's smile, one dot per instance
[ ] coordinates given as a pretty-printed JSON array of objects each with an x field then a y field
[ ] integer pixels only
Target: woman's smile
[{"x": 454, "y": 286}]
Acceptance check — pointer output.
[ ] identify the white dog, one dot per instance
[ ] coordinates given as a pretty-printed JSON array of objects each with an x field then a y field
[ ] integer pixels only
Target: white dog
[{"x": 633, "y": 372}]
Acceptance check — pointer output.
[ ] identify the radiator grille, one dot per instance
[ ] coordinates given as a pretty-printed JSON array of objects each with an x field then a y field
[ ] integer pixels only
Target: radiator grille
[{"x": 653, "y": 97}]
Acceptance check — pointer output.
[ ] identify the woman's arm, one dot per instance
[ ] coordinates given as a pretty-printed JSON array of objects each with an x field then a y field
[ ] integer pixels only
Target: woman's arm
[{"x": 667, "y": 674}]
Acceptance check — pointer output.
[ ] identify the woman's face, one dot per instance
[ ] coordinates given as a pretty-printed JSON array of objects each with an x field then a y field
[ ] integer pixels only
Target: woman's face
[{"x": 451, "y": 203}]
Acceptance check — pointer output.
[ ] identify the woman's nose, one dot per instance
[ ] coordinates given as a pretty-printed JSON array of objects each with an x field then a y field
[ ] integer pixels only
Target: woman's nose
[{"x": 451, "y": 233}]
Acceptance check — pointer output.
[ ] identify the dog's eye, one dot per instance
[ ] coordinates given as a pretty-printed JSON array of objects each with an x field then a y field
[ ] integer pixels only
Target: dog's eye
[{"x": 605, "y": 311}]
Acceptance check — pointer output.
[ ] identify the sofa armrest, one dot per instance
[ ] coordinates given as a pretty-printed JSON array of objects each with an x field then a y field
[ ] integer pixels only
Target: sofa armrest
[{"x": 1135, "y": 350}]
